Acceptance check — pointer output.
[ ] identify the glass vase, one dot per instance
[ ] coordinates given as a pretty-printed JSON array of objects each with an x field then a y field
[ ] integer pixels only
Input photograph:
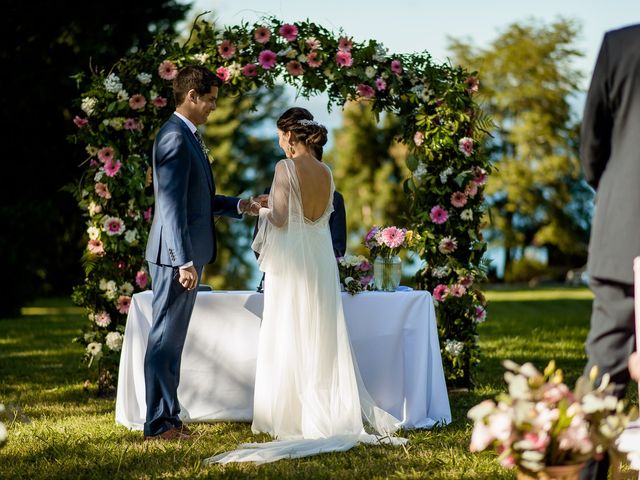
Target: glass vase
[{"x": 386, "y": 273}]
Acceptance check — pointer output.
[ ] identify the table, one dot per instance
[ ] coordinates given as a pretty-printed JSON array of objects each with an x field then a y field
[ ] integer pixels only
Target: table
[{"x": 394, "y": 337}]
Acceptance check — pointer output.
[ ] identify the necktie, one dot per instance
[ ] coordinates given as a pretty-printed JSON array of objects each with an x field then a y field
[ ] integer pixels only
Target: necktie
[{"x": 204, "y": 148}]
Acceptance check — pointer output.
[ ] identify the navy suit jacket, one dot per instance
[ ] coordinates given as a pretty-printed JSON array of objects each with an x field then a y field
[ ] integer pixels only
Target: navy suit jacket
[{"x": 185, "y": 200}]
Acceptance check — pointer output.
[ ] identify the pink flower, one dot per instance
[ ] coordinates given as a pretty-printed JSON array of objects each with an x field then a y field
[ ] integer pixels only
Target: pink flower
[
  {"x": 447, "y": 245},
  {"x": 226, "y": 49},
  {"x": 111, "y": 168},
  {"x": 267, "y": 59},
  {"x": 508, "y": 461},
  {"x": 365, "y": 90},
  {"x": 479, "y": 176},
  {"x": 364, "y": 266},
  {"x": 471, "y": 189},
  {"x": 159, "y": 102},
  {"x": 480, "y": 314},
  {"x": 102, "y": 190},
  {"x": 167, "y": 70},
  {"x": 124, "y": 302},
  {"x": 381, "y": 85},
  {"x": 93, "y": 163},
  {"x": 132, "y": 124},
  {"x": 466, "y": 146},
  {"x": 481, "y": 437},
  {"x": 466, "y": 281},
  {"x": 418, "y": 138},
  {"x": 439, "y": 215},
  {"x": 472, "y": 85},
  {"x": 80, "y": 122},
  {"x": 223, "y": 74},
  {"x": 289, "y": 32},
  {"x": 392, "y": 237},
  {"x": 113, "y": 226},
  {"x": 105, "y": 153},
  {"x": 137, "y": 101},
  {"x": 500, "y": 426},
  {"x": 147, "y": 214},
  {"x": 142, "y": 278},
  {"x": 458, "y": 199},
  {"x": 396, "y": 67},
  {"x": 313, "y": 43},
  {"x": 371, "y": 235},
  {"x": 553, "y": 393},
  {"x": 262, "y": 34},
  {"x": 345, "y": 44},
  {"x": 313, "y": 61},
  {"x": 96, "y": 247},
  {"x": 102, "y": 319},
  {"x": 440, "y": 293},
  {"x": 457, "y": 290},
  {"x": 294, "y": 68},
  {"x": 250, "y": 70},
  {"x": 343, "y": 59},
  {"x": 120, "y": 264},
  {"x": 366, "y": 280}
]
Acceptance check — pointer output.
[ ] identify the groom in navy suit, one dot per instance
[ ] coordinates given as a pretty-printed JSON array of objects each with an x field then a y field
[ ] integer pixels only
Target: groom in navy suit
[{"x": 181, "y": 241}]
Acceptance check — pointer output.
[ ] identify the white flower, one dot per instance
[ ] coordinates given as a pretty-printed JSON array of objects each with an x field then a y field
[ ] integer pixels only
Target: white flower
[
  {"x": 440, "y": 272},
  {"x": 94, "y": 233},
  {"x": 94, "y": 208},
  {"x": 417, "y": 90},
  {"x": 380, "y": 54},
  {"x": 88, "y": 105},
  {"x": 329, "y": 74},
  {"x": 144, "y": 78},
  {"x": 348, "y": 280},
  {"x": 302, "y": 58},
  {"x": 444, "y": 174},
  {"x": 370, "y": 71},
  {"x": 284, "y": 52},
  {"x": 234, "y": 69},
  {"x": 94, "y": 348},
  {"x": 466, "y": 214},
  {"x": 103, "y": 284},
  {"x": 126, "y": 289},
  {"x": 123, "y": 96},
  {"x": 420, "y": 171},
  {"x": 3, "y": 433},
  {"x": 114, "y": 341},
  {"x": 98, "y": 176},
  {"x": 453, "y": 347},
  {"x": 112, "y": 83},
  {"x": 131, "y": 236},
  {"x": 201, "y": 57}
]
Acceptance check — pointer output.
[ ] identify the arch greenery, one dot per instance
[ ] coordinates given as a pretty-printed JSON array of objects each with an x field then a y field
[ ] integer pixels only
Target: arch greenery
[{"x": 120, "y": 110}]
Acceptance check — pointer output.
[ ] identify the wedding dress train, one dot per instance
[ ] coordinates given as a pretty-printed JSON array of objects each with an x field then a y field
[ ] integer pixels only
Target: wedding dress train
[{"x": 309, "y": 395}]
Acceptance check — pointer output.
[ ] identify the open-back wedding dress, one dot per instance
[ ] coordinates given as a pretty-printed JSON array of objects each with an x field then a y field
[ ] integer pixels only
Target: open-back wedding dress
[{"x": 309, "y": 394}]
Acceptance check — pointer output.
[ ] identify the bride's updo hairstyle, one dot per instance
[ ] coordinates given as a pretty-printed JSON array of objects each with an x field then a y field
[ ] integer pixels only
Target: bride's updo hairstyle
[{"x": 304, "y": 128}]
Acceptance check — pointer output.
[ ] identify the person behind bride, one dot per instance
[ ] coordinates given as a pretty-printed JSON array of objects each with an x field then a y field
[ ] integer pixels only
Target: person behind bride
[{"x": 309, "y": 394}]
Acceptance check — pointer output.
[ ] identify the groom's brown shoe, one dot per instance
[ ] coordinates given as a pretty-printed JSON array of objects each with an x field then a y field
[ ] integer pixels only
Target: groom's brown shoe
[{"x": 174, "y": 433}]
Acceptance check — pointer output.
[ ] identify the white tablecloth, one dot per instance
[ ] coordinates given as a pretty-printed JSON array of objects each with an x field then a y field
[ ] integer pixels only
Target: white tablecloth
[{"x": 394, "y": 337}]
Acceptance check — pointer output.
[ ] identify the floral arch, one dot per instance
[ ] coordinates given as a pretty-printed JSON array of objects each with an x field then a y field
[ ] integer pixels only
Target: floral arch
[{"x": 120, "y": 111}]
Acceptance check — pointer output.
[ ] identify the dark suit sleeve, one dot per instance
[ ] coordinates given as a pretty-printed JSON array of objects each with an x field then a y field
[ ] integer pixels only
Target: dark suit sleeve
[
  {"x": 597, "y": 122},
  {"x": 338, "y": 225},
  {"x": 226, "y": 206}
]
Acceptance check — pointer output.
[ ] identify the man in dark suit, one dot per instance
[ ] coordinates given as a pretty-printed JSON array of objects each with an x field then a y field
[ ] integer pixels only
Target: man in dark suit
[
  {"x": 610, "y": 156},
  {"x": 181, "y": 241}
]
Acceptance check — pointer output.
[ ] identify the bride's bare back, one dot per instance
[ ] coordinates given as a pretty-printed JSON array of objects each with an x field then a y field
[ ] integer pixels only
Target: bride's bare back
[{"x": 315, "y": 186}]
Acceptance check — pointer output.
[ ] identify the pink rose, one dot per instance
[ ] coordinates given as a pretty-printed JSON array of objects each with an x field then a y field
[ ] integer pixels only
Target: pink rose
[
  {"x": 80, "y": 122},
  {"x": 142, "y": 278}
]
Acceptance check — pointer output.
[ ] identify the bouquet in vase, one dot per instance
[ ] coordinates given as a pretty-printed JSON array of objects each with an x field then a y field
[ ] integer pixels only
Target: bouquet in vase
[{"x": 385, "y": 243}]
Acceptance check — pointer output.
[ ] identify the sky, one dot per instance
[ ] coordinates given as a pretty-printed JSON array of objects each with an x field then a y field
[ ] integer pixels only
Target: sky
[{"x": 406, "y": 26}]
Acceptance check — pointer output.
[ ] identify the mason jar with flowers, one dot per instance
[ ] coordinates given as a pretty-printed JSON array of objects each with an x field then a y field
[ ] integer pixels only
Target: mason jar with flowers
[
  {"x": 544, "y": 429},
  {"x": 384, "y": 244}
]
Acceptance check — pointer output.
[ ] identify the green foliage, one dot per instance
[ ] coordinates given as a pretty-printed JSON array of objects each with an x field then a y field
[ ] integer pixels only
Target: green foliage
[
  {"x": 524, "y": 270},
  {"x": 124, "y": 108},
  {"x": 537, "y": 195}
]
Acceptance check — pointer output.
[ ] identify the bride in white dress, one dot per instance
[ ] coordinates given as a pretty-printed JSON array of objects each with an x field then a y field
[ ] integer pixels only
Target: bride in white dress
[{"x": 309, "y": 395}]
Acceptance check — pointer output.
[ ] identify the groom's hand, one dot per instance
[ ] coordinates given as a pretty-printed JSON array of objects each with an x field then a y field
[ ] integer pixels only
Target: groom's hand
[
  {"x": 263, "y": 200},
  {"x": 188, "y": 277}
]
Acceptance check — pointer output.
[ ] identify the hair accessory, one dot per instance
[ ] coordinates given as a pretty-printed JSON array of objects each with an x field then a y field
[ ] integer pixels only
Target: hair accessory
[{"x": 304, "y": 122}]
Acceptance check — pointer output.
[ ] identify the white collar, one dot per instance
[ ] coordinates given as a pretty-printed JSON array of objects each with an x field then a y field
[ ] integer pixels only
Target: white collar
[{"x": 189, "y": 123}]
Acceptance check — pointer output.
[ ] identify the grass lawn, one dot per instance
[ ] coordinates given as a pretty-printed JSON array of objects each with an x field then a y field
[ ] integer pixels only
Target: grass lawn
[{"x": 62, "y": 431}]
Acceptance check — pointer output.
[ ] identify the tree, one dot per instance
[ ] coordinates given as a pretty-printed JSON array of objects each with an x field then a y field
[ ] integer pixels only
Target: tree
[
  {"x": 369, "y": 167},
  {"x": 537, "y": 195},
  {"x": 43, "y": 45}
]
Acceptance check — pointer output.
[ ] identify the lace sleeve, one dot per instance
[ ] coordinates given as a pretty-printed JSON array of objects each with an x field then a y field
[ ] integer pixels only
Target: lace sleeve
[
  {"x": 278, "y": 211},
  {"x": 274, "y": 219}
]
